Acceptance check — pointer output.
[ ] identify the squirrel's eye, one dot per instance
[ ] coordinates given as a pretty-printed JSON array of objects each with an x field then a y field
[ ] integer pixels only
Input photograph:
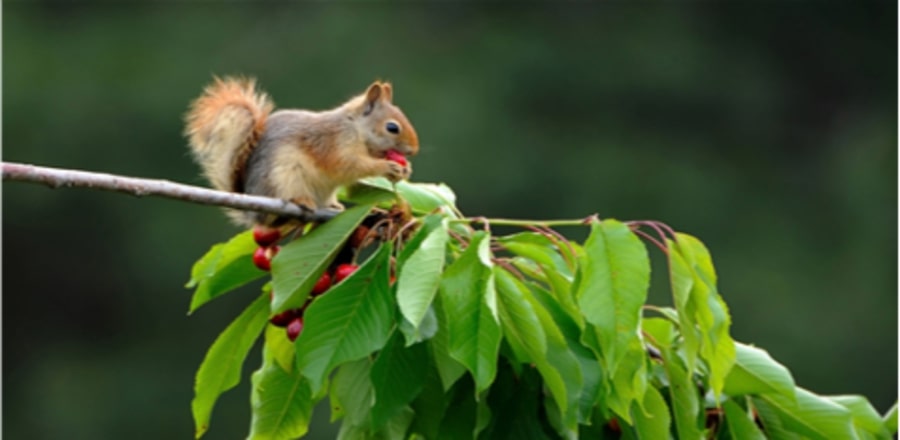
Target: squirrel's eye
[{"x": 392, "y": 127}]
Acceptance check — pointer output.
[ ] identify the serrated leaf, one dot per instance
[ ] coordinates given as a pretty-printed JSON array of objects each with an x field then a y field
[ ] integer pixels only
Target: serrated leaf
[
  {"x": 810, "y": 415},
  {"x": 739, "y": 424},
  {"x": 281, "y": 401},
  {"x": 681, "y": 278},
  {"x": 519, "y": 322},
  {"x": 865, "y": 417},
  {"x": 531, "y": 331},
  {"x": 300, "y": 263},
  {"x": 469, "y": 302},
  {"x": 352, "y": 393},
  {"x": 351, "y": 321},
  {"x": 397, "y": 378},
  {"x": 652, "y": 419},
  {"x": 615, "y": 276},
  {"x": 449, "y": 369},
  {"x": 567, "y": 366},
  {"x": 710, "y": 313},
  {"x": 220, "y": 370},
  {"x": 225, "y": 267},
  {"x": 684, "y": 396},
  {"x": 629, "y": 384},
  {"x": 420, "y": 274},
  {"x": 755, "y": 372}
]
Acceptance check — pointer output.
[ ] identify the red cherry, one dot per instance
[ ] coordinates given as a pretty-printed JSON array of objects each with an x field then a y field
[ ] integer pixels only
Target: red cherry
[
  {"x": 344, "y": 271},
  {"x": 322, "y": 285},
  {"x": 614, "y": 425},
  {"x": 393, "y": 279},
  {"x": 294, "y": 328},
  {"x": 265, "y": 236},
  {"x": 396, "y": 156},
  {"x": 261, "y": 259},
  {"x": 284, "y": 318}
]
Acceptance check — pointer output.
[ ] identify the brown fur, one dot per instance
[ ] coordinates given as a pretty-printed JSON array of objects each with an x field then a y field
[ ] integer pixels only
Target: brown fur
[{"x": 297, "y": 155}]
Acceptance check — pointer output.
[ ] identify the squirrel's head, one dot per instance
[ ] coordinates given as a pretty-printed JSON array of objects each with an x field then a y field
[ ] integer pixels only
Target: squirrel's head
[{"x": 384, "y": 126}]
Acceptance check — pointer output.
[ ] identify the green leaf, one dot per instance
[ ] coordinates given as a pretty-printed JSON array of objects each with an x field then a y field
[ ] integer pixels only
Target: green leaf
[
  {"x": 681, "y": 278},
  {"x": 615, "y": 276},
  {"x": 422, "y": 197},
  {"x": 362, "y": 194},
  {"x": 865, "y": 417},
  {"x": 470, "y": 305},
  {"x": 810, "y": 415},
  {"x": 282, "y": 402},
  {"x": 629, "y": 384},
  {"x": 224, "y": 268},
  {"x": 419, "y": 276},
  {"x": 351, "y": 321},
  {"x": 301, "y": 262},
  {"x": 532, "y": 332},
  {"x": 449, "y": 369},
  {"x": 427, "y": 197},
  {"x": 709, "y": 311},
  {"x": 544, "y": 259},
  {"x": 683, "y": 393},
  {"x": 652, "y": 421},
  {"x": 280, "y": 347},
  {"x": 755, "y": 372},
  {"x": 397, "y": 377},
  {"x": 890, "y": 419},
  {"x": 220, "y": 370},
  {"x": 519, "y": 322},
  {"x": 460, "y": 419},
  {"x": 563, "y": 374},
  {"x": 352, "y": 393},
  {"x": 429, "y": 406},
  {"x": 739, "y": 424}
]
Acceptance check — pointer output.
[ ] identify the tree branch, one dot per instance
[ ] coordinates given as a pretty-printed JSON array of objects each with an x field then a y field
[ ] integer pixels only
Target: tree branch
[{"x": 57, "y": 177}]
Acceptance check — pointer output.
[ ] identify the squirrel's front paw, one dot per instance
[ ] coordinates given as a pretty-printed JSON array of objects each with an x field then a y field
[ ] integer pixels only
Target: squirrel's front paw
[{"x": 396, "y": 172}]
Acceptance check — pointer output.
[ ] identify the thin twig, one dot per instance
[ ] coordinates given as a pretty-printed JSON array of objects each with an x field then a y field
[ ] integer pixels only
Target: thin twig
[{"x": 57, "y": 177}]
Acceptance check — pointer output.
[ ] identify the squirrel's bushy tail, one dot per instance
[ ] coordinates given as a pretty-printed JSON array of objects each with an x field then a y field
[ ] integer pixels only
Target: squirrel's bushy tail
[{"x": 223, "y": 126}]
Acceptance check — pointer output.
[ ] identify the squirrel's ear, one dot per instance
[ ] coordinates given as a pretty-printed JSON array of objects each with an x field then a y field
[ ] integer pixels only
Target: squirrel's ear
[
  {"x": 373, "y": 94},
  {"x": 388, "y": 91}
]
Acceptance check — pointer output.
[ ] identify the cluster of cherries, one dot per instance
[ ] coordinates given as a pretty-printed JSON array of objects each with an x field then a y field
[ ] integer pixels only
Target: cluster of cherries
[{"x": 292, "y": 320}]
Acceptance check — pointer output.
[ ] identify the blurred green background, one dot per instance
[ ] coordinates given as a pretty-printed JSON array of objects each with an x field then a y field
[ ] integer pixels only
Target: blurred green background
[{"x": 769, "y": 130}]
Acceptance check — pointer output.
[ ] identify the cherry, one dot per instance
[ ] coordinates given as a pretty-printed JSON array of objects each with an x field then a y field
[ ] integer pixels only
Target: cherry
[
  {"x": 396, "y": 156},
  {"x": 284, "y": 318},
  {"x": 262, "y": 258},
  {"x": 294, "y": 328},
  {"x": 322, "y": 285},
  {"x": 265, "y": 236},
  {"x": 614, "y": 425},
  {"x": 344, "y": 271}
]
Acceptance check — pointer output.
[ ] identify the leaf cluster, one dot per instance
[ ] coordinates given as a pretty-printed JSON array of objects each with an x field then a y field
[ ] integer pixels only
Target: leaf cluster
[{"x": 524, "y": 335}]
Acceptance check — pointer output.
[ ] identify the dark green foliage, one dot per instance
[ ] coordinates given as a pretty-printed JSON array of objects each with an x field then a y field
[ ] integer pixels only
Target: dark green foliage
[{"x": 522, "y": 336}]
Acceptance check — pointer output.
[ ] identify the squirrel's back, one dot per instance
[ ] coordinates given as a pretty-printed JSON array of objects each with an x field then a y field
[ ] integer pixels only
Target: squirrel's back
[{"x": 223, "y": 126}]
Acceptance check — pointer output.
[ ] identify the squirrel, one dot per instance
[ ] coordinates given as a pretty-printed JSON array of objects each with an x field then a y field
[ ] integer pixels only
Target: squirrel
[{"x": 301, "y": 156}]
